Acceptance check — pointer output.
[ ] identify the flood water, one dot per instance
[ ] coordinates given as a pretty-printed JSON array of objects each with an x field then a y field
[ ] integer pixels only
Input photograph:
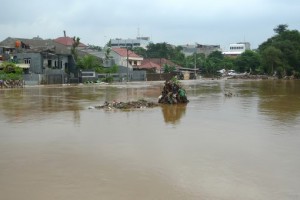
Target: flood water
[{"x": 243, "y": 147}]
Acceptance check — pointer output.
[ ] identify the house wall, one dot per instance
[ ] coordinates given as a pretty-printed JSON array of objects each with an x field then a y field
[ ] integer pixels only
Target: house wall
[
  {"x": 56, "y": 62},
  {"x": 119, "y": 60},
  {"x": 34, "y": 59}
]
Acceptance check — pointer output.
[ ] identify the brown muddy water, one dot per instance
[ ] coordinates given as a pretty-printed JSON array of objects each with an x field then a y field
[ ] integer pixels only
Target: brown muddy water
[{"x": 243, "y": 147}]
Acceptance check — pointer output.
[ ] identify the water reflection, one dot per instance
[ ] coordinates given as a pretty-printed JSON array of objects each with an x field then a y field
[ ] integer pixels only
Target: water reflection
[
  {"x": 280, "y": 100},
  {"x": 173, "y": 113}
]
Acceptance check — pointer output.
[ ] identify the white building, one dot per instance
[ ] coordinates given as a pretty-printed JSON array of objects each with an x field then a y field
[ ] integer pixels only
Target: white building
[
  {"x": 237, "y": 49},
  {"x": 126, "y": 57},
  {"x": 123, "y": 43}
]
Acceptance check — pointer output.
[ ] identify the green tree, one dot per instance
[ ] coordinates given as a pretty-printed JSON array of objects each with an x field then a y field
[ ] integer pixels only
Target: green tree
[
  {"x": 248, "y": 61},
  {"x": 11, "y": 71},
  {"x": 286, "y": 46},
  {"x": 280, "y": 28},
  {"x": 167, "y": 51},
  {"x": 228, "y": 63},
  {"x": 215, "y": 62},
  {"x": 140, "y": 51},
  {"x": 107, "y": 53},
  {"x": 272, "y": 59},
  {"x": 168, "y": 68},
  {"x": 76, "y": 42},
  {"x": 89, "y": 62}
]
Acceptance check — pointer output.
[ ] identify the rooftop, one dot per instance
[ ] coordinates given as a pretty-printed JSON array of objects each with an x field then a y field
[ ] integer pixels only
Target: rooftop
[
  {"x": 123, "y": 52},
  {"x": 67, "y": 41}
]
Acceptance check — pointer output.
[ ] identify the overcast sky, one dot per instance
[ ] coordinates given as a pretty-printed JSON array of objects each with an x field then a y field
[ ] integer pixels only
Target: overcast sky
[{"x": 173, "y": 21}]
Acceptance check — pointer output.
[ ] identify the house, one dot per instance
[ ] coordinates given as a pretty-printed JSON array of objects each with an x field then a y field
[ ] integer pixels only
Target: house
[
  {"x": 44, "y": 57},
  {"x": 157, "y": 64},
  {"x": 122, "y": 55},
  {"x": 68, "y": 42},
  {"x": 150, "y": 66}
]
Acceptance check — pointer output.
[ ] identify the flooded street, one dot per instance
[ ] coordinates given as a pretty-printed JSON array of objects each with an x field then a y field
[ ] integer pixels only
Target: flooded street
[{"x": 247, "y": 146}]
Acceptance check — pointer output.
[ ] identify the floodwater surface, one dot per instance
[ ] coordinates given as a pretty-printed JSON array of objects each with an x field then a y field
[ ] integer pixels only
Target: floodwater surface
[{"x": 246, "y": 146}]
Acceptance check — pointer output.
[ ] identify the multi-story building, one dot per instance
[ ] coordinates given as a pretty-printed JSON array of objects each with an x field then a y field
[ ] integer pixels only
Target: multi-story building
[
  {"x": 237, "y": 49},
  {"x": 131, "y": 43},
  {"x": 189, "y": 50}
]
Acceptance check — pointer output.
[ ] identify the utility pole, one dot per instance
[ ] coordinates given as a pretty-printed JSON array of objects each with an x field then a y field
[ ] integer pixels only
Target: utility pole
[
  {"x": 127, "y": 63},
  {"x": 195, "y": 67}
]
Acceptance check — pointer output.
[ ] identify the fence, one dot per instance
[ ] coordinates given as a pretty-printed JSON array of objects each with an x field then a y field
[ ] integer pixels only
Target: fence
[
  {"x": 37, "y": 79},
  {"x": 33, "y": 79},
  {"x": 160, "y": 77}
]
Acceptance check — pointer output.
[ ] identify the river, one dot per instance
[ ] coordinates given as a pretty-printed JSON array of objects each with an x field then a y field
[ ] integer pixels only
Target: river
[{"x": 246, "y": 146}]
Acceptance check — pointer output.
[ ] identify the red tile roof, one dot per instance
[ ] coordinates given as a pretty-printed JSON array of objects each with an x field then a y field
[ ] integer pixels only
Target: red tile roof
[
  {"x": 67, "y": 41},
  {"x": 123, "y": 52},
  {"x": 159, "y": 62},
  {"x": 148, "y": 64}
]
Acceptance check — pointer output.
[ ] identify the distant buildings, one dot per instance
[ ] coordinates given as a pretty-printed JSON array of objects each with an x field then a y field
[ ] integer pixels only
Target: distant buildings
[{"x": 51, "y": 61}]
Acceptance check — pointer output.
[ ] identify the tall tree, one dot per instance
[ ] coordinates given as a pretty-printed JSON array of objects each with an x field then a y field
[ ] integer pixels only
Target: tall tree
[
  {"x": 76, "y": 42},
  {"x": 89, "y": 62},
  {"x": 280, "y": 28},
  {"x": 248, "y": 61},
  {"x": 287, "y": 46},
  {"x": 271, "y": 59}
]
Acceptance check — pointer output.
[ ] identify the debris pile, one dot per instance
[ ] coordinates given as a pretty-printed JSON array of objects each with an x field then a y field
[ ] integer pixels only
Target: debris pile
[
  {"x": 11, "y": 83},
  {"x": 172, "y": 93},
  {"x": 127, "y": 105}
]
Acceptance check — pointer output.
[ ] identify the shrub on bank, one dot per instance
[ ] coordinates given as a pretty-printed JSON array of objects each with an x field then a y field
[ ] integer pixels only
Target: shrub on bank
[{"x": 10, "y": 71}]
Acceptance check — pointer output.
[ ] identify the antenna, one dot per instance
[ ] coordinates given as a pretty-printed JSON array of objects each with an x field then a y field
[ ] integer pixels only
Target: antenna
[{"x": 138, "y": 32}]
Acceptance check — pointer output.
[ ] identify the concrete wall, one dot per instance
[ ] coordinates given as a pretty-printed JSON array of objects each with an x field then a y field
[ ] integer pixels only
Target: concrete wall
[{"x": 36, "y": 61}]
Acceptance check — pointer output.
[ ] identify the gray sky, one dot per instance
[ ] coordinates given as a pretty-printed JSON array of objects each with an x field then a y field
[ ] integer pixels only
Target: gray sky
[{"x": 172, "y": 21}]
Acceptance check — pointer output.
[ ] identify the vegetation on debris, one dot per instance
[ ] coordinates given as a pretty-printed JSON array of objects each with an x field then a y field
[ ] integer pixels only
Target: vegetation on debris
[
  {"x": 173, "y": 93},
  {"x": 10, "y": 75}
]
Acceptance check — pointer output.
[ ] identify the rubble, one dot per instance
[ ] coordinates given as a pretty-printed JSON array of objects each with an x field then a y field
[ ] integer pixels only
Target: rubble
[
  {"x": 173, "y": 93},
  {"x": 11, "y": 83},
  {"x": 127, "y": 105}
]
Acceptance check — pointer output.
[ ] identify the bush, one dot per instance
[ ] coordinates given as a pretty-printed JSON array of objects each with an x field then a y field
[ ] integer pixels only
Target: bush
[
  {"x": 108, "y": 79},
  {"x": 11, "y": 72},
  {"x": 297, "y": 75}
]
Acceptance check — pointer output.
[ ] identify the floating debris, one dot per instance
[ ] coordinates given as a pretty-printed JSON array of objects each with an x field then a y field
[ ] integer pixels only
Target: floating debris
[
  {"x": 127, "y": 105},
  {"x": 228, "y": 94},
  {"x": 172, "y": 93}
]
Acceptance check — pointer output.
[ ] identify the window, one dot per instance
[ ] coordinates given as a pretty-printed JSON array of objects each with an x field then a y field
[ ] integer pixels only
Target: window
[
  {"x": 27, "y": 60},
  {"x": 49, "y": 63}
]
